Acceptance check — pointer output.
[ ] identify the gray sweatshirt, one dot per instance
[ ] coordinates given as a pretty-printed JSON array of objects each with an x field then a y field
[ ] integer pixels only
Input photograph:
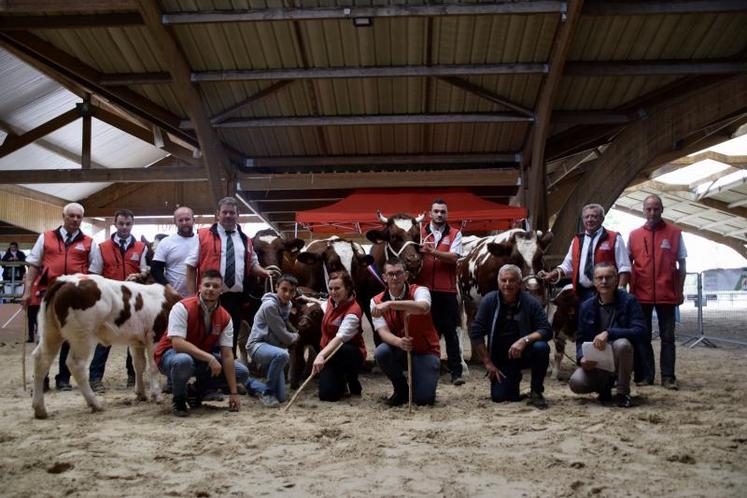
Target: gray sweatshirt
[{"x": 271, "y": 325}]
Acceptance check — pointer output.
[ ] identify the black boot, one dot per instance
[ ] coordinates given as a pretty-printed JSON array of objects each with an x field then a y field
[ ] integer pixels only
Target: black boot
[{"x": 179, "y": 406}]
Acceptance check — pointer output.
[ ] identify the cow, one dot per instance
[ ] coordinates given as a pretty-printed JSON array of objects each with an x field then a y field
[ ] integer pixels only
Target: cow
[
  {"x": 306, "y": 317},
  {"x": 562, "y": 317},
  {"x": 88, "y": 309},
  {"x": 400, "y": 237},
  {"x": 477, "y": 271}
]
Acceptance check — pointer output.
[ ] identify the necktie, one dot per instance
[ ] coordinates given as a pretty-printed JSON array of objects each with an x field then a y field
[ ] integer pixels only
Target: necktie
[
  {"x": 230, "y": 261},
  {"x": 123, "y": 246},
  {"x": 589, "y": 264},
  {"x": 68, "y": 240}
]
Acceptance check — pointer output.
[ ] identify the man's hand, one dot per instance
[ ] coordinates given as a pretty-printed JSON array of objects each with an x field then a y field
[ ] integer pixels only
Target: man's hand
[
  {"x": 428, "y": 248},
  {"x": 135, "y": 277},
  {"x": 405, "y": 343},
  {"x": 588, "y": 365},
  {"x": 548, "y": 276},
  {"x": 600, "y": 341},
  {"x": 318, "y": 364},
  {"x": 234, "y": 403},
  {"x": 378, "y": 310},
  {"x": 493, "y": 372},
  {"x": 517, "y": 349},
  {"x": 215, "y": 366}
]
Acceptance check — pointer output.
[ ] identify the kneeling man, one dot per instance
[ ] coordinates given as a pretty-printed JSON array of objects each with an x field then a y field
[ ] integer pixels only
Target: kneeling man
[
  {"x": 611, "y": 319},
  {"x": 197, "y": 325},
  {"x": 518, "y": 332},
  {"x": 401, "y": 308}
]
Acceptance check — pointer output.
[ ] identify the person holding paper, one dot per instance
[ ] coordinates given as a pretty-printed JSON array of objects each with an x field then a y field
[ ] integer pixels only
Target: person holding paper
[{"x": 613, "y": 319}]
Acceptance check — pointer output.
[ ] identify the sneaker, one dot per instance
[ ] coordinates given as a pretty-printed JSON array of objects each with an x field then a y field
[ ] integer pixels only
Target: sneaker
[
  {"x": 63, "y": 386},
  {"x": 537, "y": 400},
  {"x": 623, "y": 400},
  {"x": 269, "y": 400},
  {"x": 457, "y": 380},
  {"x": 670, "y": 383},
  {"x": 355, "y": 388},
  {"x": 212, "y": 396},
  {"x": 644, "y": 382},
  {"x": 605, "y": 396},
  {"x": 179, "y": 407},
  {"x": 130, "y": 381},
  {"x": 193, "y": 399},
  {"x": 97, "y": 386},
  {"x": 396, "y": 399}
]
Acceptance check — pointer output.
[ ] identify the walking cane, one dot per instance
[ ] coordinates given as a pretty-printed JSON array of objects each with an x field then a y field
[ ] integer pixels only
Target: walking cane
[
  {"x": 285, "y": 408},
  {"x": 409, "y": 369},
  {"x": 23, "y": 346}
]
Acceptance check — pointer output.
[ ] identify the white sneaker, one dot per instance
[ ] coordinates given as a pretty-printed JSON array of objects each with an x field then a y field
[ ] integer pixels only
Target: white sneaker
[{"x": 269, "y": 400}]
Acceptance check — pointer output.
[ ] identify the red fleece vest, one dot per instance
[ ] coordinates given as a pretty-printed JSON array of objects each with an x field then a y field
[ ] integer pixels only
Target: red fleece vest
[
  {"x": 436, "y": 274},
  {"x": 60, "y": 260},
  {"x": 210, "y": 249},
  {"x": 655, "y": 277},
  {"x": 420, "y": 327},
  {"x": 333, "y": 318},
  {"x": 603, "y": 252},
  {"x": 116, "y": 266}
]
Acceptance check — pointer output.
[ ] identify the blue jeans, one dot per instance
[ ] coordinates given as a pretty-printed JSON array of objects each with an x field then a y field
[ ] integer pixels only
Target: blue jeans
[
  {"x": 537, "y": 357},
  {"x": 270, "y": 360},
  {"x": 425, "y": 370},
  {"x": 98, "y": 363},
  {"x": 180, "y": 367}
]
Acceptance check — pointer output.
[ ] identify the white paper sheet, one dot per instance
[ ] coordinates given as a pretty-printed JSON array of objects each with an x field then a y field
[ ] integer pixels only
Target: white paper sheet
[{"x": 604, "y": 359}]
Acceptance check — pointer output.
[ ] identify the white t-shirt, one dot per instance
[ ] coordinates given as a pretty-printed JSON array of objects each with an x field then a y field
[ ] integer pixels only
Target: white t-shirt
[
  {"x": 173, "y": 252},
  {"x": 95, "y": 262},
  {"x": 178, "y": 319},
  {"x": 422, "y": 295}
]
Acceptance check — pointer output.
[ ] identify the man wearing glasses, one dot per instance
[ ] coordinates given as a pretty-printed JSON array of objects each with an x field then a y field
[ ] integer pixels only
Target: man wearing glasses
[
  {"x": 401, "y": 316},
  {"x": 517, "y": 330}
]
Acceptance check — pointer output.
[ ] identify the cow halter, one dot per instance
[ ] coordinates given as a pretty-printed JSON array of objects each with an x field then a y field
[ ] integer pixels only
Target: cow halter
[{"x": 270, "y": 281}]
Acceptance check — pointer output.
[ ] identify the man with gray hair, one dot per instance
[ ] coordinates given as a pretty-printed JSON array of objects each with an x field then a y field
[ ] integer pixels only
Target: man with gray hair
[
  {"x": 594, "y": 245},
  {"x": 518, "y": 332},
  {"x": 224, "y": 247},
  {"x": 63, "y": 251}
]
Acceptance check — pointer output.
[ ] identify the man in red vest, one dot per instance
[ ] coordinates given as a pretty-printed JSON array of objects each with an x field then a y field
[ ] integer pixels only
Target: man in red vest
[
  {"x": 658, "y": 253},
  {"x": 594, "y": 245},
  {"x": 63, "y": 251},
  {"x": 123, "y": 258},
  {"x": 224, "y": 247},
  {"x": 399, "y": 309},
  {"x": 441, "y": 248},
  {"x": 197, "y": 326}
]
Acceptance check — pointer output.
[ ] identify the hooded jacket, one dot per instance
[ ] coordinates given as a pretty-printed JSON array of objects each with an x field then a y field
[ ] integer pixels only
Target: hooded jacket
[{"x": 271, "y": 325}]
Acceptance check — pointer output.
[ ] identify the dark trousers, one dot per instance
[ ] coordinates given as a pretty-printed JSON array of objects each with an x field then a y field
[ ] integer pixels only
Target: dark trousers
[
  {"x": 393, "y": 362},
  {"x": 535, "y": 356},
  {"x": 445, "y": 314},
  {"x": 645, "y": 363},
  {"x": 232, "y": 301},
  {"x": 340, "y": 371},
  {"x": 63, "y": 376},
  {"x": 98, "y": 363}
]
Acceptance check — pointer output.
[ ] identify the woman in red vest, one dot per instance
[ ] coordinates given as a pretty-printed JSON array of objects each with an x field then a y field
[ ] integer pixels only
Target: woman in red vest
[{"x": 341, "y": 326}]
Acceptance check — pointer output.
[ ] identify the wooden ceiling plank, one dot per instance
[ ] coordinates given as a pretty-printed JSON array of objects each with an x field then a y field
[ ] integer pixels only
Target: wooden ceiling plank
[
  {"x": 175, "y": 174},
  {"x": 13, "y": 143}
]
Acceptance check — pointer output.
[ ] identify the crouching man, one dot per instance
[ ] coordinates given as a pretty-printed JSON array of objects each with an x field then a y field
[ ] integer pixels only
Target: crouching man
[
  {"x": 518, "y": 332},
  {"x": 612, "y": 319},
  {"x": 197, "y": 325}
]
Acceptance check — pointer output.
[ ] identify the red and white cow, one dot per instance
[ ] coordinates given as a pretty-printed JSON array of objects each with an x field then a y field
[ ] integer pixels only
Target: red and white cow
[
  {"x": 88, "y": 309},
  {"x": 562, "y": 317},
  {"x": 399, "y": 237}
]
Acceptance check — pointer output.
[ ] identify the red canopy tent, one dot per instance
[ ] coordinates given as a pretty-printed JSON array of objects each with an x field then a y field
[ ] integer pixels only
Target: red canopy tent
[{"x": 356, "y": 213}]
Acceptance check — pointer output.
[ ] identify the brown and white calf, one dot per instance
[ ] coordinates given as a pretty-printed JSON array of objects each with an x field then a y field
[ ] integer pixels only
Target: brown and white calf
[
  {"x": 564, "y": 321},
  {"x": 88, "y": 309}
]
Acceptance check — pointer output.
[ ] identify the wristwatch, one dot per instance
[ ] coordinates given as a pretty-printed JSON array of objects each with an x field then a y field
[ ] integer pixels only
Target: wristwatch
[{"x": 526, "y": 339}]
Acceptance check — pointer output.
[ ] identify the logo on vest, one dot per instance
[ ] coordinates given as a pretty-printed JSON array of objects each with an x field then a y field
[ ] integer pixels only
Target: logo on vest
[
  {"x": 80, "y": 247},
  {"x": 605, "y": 246},
  {"x": 216, "y": 330},
  {"x": 337, "y": 322},
  {"x": 135, "y": 256},
  {"x": 446, "y": 240},
  {"x": 665, "y": 244}
]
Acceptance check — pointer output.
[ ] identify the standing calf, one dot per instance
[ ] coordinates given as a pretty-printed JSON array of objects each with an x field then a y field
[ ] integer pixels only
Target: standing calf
[{"x": 88, "y": 309}]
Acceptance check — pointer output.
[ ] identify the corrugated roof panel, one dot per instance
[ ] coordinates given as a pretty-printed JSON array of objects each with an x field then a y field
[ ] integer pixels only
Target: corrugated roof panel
[{"x": 579, "y": 93}]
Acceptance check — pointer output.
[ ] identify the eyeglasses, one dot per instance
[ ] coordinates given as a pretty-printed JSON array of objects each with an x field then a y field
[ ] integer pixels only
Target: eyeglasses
[
  {"x": 604, "y": 278},
  {"x": 394, "y": 274}
]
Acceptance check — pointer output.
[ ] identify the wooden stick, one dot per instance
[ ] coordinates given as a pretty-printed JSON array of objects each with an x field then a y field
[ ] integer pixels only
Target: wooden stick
[
  {"x": 409, "y": 369},
  {"x": 293, "y": 399},
  {"x": 23, "y": 346}
]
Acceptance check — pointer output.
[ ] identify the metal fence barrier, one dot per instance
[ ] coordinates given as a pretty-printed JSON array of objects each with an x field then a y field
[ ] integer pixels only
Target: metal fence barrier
[
  {"x": 11, "y": 289},
  {"x": 707, "y": 316}
]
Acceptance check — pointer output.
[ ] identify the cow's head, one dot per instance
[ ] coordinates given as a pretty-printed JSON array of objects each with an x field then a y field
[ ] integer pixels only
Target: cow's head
[
  {"x": 272, "y": 250},
  {"x": 152, "y": 246},
  {"x": 306, "y": 317},
  {"x": 526, "y": 250},
  {"x": 564, "y": 316},
  {"x": 335, "y": 254},
  {"x": 401, "y": 234}
]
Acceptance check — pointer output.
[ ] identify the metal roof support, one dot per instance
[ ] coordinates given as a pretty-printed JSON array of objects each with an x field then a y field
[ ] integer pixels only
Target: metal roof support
[
  {"x": 485, "y": 94},
  {"x": 657, "y": 68},
  {"x": 222, "y": 116},
  {"x": 662, "y": 137},
  {"x": 383, "y": 160},
  {"x": 13, "y": 143},
  {"x": 22, "y": 23},
  {"x": 173, "y": 174},
  {"x": 214, "y": 156},
  {"x": 534, "y": 190},
  {"x": 597, "y": 8},
  {"x": 301, "y": 14}
]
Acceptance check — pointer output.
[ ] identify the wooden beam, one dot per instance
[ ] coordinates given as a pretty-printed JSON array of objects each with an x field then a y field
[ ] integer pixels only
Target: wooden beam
[
  {"x": 124, "y": 79},
  {"x": 275, "y": 87},
  {"x": 175, "y": 174},
  {"x": 57, "y": 63},
  {"x": 535, "y": 146},
  {"x": 22, "y": 23},
  {"x": 85, "y": 153},
  {"x": 713, "y": 177},
  {"x": 464, "y": 178},
  {"x": 351, "y": 12},
  {"x": 369, "y": 72},
  {"x": 366, "y": 120},
  {"x": 715, "y": 190},
  {"x": 656, "y": 139},
  {"x": 606, "y": 8},
  {"x": 383, "y": 160},
  {"x": 742, "y": 202},
  {"x": 59, "y": 6},
  {"x": 13, "y": 143},
  {"x": 215, "y": 158},
  {"x": 654, "y": 68},
  {"x": 485, "y": 94}
]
